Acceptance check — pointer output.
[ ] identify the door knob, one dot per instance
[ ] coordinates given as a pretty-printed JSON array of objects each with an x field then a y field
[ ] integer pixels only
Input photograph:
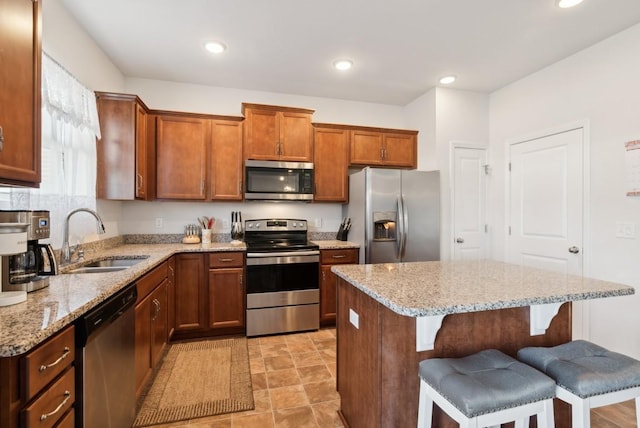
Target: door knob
[
  {"x": 459, "y": 240},
  {"x": 574, "y": 250}
]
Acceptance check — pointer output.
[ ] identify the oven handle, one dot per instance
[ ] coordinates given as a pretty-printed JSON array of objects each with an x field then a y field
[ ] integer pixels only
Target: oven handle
[{"x": 255, "y": 259}]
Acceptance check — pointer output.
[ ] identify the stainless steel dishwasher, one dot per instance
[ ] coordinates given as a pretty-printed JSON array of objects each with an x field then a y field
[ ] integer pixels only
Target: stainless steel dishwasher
[{"x": 106, "y": 382}]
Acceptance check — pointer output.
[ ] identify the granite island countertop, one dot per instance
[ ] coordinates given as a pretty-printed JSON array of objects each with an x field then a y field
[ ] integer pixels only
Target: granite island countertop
[
  {"x": 440, "y": 288},
  {"x": 334, "y": 244}
]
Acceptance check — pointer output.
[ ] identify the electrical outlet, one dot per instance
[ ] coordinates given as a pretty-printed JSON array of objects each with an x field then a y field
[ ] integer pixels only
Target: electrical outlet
[
  {"x": 226, "y": 224},
  {"x": 317, "y": 222},
  {"x": 158, "y": 223},
  {"x": 626, "y": 230}
]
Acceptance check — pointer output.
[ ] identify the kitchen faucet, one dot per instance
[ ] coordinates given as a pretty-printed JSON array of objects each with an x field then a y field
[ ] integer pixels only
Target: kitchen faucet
[{"x": 66, "y": 251}]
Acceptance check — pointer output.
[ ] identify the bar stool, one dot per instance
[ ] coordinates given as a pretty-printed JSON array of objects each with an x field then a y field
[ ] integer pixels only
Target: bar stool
[
  {"x": 485, "y": 389},
  {"x": 587, "y": 376}
]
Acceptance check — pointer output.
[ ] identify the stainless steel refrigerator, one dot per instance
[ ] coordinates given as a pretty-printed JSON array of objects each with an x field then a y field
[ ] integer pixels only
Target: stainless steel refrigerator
[{"x": 395, "y": 215}]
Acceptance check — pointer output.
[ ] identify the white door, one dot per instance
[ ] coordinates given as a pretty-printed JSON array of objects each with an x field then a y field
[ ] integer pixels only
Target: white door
[
  {"x": 546, "y": 202},
  {"x": 469, "y": 203}
]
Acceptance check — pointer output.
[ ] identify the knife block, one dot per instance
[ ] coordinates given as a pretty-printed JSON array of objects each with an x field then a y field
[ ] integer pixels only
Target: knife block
[{"x": 342, "y": 234}]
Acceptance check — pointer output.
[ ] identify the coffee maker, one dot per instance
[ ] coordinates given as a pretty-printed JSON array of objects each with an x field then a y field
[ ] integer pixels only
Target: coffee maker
[{"x": 29, "y": 271}]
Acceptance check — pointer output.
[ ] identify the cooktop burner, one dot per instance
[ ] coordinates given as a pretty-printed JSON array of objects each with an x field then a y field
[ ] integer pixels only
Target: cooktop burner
[{"x": 270, "y": 235}]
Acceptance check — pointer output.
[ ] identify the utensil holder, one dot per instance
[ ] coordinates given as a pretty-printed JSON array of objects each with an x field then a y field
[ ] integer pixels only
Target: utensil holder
[{"x": 206, "y": 236}]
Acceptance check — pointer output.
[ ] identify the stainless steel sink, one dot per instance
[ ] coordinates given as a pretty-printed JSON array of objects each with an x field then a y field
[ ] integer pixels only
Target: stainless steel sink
[{"x": 108, "y": 265}]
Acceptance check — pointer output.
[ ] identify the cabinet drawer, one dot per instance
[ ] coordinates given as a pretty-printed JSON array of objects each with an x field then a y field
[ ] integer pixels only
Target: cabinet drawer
[
  {"x": 224, "y": 260},
  {"x": 54, "y": 402},
  {"x": 47, "y": 361},
  {"x": 68, "y": 420},
  {"x": 339, "y": 257},
  {"x": 151, "y": 280}
]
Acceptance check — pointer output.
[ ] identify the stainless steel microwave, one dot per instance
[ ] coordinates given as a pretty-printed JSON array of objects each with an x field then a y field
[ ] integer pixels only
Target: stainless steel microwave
[{"x": 278, "y": 181}]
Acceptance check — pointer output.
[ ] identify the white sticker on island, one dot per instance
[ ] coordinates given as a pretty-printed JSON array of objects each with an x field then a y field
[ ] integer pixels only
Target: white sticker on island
[{"x": 354, "y": 318}]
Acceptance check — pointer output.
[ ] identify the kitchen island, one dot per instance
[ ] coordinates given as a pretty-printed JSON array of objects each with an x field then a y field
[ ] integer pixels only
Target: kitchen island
[{"x": 391, "y": 316}]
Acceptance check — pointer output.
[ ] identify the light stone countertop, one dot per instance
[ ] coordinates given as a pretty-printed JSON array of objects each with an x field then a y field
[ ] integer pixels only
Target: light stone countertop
[
  {"x": 440, "y": 288},
  {"x": 68, "y": 296},
  {"x": 335, "y": 244}
]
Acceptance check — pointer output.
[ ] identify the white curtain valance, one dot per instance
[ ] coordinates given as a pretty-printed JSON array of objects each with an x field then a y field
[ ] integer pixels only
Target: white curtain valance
[{"x": 66, "y": 99}]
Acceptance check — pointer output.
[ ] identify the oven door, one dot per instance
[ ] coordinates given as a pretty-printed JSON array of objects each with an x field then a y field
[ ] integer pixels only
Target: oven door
[{"x": 279, "y": 272}]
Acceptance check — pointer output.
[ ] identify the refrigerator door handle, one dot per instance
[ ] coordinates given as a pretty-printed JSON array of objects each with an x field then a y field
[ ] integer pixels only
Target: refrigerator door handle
[
  {"x": 399, "y": 229},
  {"x": 405, "y": 226}
]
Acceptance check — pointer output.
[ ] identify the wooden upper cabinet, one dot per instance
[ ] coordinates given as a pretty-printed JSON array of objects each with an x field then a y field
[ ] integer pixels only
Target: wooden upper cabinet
[
  {"x": 20, "y": 51},
  {"x": 226, "y": 160},
  {"x": 277, "y": 133},
  {"x": 384, "y": 147},
  {"x": 182, "y": 144},
  {"x": 123, "y": 152},
  {"x": 331, "y": 163}
]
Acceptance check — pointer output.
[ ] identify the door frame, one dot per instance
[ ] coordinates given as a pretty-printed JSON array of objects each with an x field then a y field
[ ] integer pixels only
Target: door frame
[
  {"x": 460, "y": 144},
  {"x": 581, "y": 329}
]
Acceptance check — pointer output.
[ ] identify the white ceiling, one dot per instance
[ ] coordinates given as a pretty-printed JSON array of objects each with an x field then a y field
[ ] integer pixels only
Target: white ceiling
[{"x": 400, "y": 47}]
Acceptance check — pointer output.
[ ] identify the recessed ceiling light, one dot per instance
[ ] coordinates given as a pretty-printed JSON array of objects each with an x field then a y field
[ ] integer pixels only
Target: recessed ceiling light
[
  {"x": 568, "y": 3},
  {"x": 343, "y": 64},
  {"x": 215, "y": 47},
  {"x": 446, "y": 80}
]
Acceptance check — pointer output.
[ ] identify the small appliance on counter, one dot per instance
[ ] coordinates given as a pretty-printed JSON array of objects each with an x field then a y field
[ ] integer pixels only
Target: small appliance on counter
[
  {"x": 30, "y": 269},
  {"x": 13, "y": 240},
  {"x": 343, "y": 230}
]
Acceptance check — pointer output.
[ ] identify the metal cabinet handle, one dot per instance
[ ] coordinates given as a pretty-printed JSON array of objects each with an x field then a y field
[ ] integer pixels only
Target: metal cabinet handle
[
  {"x": 324, "y": 276},
  {"x": 574, "y": 250},
  {"x": 459, "y": 241},
  {"x": 64, "y": 355},
  {"x": 157, "y": 304},
  {"x": 225, "y": 260},
  {"x": 1, "y": 139},
  {"x": 139, "y": 180},
  {"x": 241, "y": 280},
  {"x": 171, "y": 269},
  {"x": 67, "y": 396},
  {"x": 339, "y": 256}
]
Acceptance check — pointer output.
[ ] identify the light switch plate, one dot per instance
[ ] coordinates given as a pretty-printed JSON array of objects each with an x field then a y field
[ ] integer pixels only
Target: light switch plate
[{"x": 158, "y": 223}]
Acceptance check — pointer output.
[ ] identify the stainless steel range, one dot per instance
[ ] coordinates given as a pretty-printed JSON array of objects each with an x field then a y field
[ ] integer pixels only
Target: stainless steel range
[{"x": 282, "y": 277}]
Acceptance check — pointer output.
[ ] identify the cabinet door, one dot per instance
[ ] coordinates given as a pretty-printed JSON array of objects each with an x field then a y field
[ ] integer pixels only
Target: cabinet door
[
  {"x": 226, "y": 298},
  {"x": 296, "y": 137},
  {"x": 116, "y": 150},
  {"x": 262, "y": 135},
  {"x": 182, "y": 157},
  {"x": 327, "y": 295},
  {"x": 159, "y": 317},
  {"x": 400, "y": 150},
  {"x": 20, "y": 94},
  {"x": 171, "y": 297},
  {"x": 142, "y": 179},
  {"x": 143, "y": 364},
  {"x": 190, "y": 286},
  {"x": 331, "y": 165},
  {"x": 226, "y": 161},
  {"x": 366, "y": 148}
]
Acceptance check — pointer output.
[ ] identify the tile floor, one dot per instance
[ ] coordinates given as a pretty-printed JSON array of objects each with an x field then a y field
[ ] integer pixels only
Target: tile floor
[{"x": 294, "y": 386}]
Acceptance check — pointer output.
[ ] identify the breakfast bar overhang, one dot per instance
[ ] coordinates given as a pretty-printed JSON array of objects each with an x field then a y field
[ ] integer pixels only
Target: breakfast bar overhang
[{"x": 392, "y": 316}]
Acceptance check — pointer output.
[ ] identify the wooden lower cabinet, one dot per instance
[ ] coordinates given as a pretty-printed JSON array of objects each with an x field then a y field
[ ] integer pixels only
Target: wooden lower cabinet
[
  {"x": 210, "y": 298},
  {"x": 190, "y": 285},
  {"x": 151, "y": 325},
  {"x": 226, "y": 292},
  {"x": 27, "y": 392},
  {"x": 328, "y": 280}
]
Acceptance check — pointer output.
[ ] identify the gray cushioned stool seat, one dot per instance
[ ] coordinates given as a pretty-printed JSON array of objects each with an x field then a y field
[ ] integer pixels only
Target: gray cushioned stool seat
[
  {"x": 584, "y": 368},
  {"x": 486, "y": 381}
]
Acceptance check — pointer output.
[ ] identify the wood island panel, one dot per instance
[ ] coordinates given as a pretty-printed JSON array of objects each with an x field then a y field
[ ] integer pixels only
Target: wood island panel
[{"x": 378, "y": 363}]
